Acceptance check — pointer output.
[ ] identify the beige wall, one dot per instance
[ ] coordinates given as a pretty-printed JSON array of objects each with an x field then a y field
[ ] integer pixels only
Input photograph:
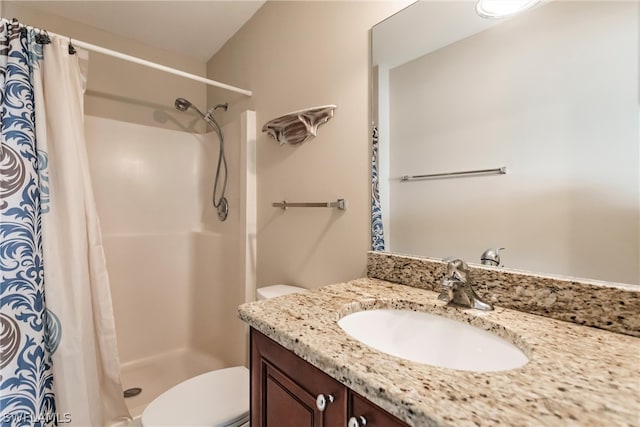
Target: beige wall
[
  {"x": 295, "y": 55},
  {"x": 120, "y": 90}
]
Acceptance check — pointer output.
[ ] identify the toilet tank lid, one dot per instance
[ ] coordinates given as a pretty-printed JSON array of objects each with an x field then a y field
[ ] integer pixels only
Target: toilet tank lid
[
  {"x": 217, "y": 398},
  {"x": 273, "y": 291}
]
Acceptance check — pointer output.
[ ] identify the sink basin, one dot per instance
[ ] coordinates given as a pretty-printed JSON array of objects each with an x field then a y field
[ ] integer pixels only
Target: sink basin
[{"x": 433, "y": 340}]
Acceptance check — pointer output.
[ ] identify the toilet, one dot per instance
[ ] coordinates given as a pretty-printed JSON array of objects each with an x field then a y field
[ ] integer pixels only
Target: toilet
[{"x": 218, "y": 398}]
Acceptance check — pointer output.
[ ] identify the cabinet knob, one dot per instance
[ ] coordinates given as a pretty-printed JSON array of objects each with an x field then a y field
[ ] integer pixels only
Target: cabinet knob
[
  {"x": 322, "y": 401},
  {"x": 357, "y": 422}
]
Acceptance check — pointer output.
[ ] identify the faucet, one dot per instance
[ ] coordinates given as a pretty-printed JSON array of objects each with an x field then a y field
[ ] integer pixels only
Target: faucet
[{"x": 456, "y": 287}]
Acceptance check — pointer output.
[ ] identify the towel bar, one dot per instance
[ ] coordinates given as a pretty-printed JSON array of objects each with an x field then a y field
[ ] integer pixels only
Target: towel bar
[
  {"x": 341, "y": 204},
  {"x": 501, "y": 171}
]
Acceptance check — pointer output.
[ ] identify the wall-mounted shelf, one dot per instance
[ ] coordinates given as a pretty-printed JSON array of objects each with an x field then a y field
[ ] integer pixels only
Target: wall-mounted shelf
[{"x": 299, "y": 126}]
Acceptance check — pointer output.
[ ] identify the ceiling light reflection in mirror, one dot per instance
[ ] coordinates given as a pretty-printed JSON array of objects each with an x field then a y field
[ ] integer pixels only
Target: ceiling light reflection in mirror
[{"x": 496, "y": 9}]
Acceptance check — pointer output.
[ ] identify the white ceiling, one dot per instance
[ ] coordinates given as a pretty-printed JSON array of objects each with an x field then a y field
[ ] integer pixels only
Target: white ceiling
[{"x": 196, "y": 29}]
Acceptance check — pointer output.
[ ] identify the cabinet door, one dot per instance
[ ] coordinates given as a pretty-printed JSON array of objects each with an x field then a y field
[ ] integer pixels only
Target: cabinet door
[
  {"x": 285, "y": 389},
  {"x": 373, "y": 415}
]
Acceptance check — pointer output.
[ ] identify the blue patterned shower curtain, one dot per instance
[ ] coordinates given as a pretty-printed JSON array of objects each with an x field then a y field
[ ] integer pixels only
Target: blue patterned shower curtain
[
  {"x": 26, "y": 387},
  {"x": 58, "y": 355},
  {"x": 377, "y": 231}
]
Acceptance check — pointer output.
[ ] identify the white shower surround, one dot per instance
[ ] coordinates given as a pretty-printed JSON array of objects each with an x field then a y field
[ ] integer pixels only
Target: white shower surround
[{"x": 177, "y": 273}]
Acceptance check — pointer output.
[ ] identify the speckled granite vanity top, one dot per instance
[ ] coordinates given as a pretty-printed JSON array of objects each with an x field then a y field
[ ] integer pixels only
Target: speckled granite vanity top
[{"x": 576, "y": 375}]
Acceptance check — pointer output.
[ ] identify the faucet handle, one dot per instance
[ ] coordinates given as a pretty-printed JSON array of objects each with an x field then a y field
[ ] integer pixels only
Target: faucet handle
[
  {"x": 491, "y": 257},
  {"x": 458, "y": 270},
  {"x": 456, "y": 288}
]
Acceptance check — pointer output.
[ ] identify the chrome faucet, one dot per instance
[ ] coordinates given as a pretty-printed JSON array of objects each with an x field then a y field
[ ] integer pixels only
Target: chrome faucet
[{"x": 456, "y": 287}]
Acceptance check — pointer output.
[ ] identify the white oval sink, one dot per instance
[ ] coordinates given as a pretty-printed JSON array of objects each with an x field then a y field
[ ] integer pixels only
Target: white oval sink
[{"x": 433, "y": 340}]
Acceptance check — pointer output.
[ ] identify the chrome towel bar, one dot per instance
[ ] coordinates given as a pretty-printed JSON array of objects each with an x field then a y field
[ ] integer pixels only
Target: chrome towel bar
[
  {"x": 341, "y": 204},
  {"x": 501, "y": 171}
]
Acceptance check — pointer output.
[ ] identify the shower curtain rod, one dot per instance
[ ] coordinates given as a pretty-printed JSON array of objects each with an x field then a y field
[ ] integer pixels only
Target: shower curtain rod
[{"x": 153, "y": 65}]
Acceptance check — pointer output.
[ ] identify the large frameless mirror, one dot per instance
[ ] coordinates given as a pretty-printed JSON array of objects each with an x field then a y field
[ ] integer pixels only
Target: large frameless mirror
[{"x": 549, "y": 95}]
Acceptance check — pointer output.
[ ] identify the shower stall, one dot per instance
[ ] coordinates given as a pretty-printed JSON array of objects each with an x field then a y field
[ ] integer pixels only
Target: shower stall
[{"x": 177, "y": 272}]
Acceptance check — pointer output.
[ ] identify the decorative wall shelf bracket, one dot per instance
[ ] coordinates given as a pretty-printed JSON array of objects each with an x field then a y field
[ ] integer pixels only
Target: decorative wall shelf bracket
[{"x": 299, "y": 126}]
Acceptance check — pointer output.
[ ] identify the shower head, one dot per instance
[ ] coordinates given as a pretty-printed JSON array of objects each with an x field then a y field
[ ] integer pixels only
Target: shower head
[{"x": 182, "y": 104}]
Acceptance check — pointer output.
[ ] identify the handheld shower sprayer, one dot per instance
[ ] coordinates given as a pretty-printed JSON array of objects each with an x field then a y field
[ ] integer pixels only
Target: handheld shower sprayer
[
  {"x": 220, "y": 203},
  {"x": 182, "y": 104}
]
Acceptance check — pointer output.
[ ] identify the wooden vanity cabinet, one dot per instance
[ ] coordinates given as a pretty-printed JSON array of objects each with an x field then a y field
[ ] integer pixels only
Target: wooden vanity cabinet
[
  {"x": 284, "y": 389},
  {"x": 287, "y": 391}
]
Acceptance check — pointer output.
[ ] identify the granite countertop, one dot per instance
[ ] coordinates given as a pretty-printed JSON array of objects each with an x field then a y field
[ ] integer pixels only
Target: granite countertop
[{"x": 576, "y": 375}]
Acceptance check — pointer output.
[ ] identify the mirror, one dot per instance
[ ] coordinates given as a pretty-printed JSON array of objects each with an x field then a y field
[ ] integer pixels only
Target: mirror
[{"x": 552, "y": 95}]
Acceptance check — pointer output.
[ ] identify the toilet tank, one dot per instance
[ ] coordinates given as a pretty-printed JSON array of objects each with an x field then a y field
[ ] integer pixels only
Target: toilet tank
[{"x": 273, "y": 291}]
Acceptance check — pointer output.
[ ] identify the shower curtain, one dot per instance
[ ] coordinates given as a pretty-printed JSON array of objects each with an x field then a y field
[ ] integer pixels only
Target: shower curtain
[
  {"x": 377, "y": 232},
  {"x": 59, "y": 363}
]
